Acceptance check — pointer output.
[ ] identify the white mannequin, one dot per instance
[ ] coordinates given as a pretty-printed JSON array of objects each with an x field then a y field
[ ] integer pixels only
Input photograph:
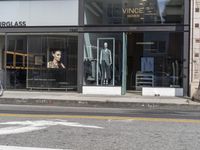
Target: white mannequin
[{"x": 105, "y": 62}]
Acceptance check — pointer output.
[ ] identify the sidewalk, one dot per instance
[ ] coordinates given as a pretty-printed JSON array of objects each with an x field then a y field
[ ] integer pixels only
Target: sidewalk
[{"x": 73, "y": 99}]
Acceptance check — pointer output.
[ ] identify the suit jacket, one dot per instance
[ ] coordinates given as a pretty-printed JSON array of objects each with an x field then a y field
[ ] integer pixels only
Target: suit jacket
[{"x": 106, "y": 56}]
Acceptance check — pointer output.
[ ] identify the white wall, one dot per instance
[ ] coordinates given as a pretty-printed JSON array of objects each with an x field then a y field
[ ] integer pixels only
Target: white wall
[{"x": 40, "y": 13}]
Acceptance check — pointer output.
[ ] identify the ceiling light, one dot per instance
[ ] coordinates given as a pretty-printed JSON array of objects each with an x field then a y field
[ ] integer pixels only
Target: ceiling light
[{"x": 144, "y": 43}]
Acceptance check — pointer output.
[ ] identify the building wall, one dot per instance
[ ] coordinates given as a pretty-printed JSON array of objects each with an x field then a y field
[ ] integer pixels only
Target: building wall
[{"x": 194, "y": 46}]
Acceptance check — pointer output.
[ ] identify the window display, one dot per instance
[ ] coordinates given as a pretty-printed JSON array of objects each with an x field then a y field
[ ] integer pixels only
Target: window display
[
  {"x": 102, "y": 59},
  {"x": 147, "y": 64},
  {"x": 52, "y": 62},
  {"x": 56, "y": 61},
  {"x": 105, "y": 62},
  {"x": 151, "y": 65}
]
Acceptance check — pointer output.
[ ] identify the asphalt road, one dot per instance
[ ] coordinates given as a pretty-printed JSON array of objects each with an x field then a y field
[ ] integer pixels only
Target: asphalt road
[
  {"x": 152, "y": 113},
  {"x": 98, "y": 128}
]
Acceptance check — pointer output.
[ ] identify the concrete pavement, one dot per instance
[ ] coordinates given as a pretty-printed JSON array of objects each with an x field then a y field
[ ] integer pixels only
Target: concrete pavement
[{"x": 130, "y": 100}]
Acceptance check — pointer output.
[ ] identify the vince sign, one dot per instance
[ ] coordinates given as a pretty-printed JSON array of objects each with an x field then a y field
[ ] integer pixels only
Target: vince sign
[
  {"x": 12, "y": 23},
  {"x": 133, "y": 12}
]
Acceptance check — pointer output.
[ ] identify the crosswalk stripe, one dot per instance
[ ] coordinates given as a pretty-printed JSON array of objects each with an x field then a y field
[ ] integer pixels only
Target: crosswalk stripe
[{"x": 2, "y": 147}]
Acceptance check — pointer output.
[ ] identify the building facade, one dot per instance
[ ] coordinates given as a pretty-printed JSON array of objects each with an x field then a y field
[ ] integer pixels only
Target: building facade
[
  {"x": 194, "y": 46},
  {"x": 97, "y": 46}
]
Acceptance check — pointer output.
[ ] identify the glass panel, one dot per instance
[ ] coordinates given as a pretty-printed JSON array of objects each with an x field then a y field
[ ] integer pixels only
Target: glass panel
[
  {"x": 102, "y": 59},
  {"x": 155, "y": 59},
  {"x": 52, "y": 62},
  {"x": 16, "y": 68},
  {"x": 2, "y": 50},
  {"x": 133, "y": 12}
]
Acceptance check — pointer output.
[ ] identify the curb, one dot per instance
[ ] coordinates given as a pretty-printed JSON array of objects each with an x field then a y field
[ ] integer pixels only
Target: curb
[{"x": 97, "y": 104}]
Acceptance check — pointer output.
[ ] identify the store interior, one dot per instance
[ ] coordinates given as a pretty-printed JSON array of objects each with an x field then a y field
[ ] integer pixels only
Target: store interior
[
  {"x": 154, "y": 59},
  {"x": 27, "y": 61}
]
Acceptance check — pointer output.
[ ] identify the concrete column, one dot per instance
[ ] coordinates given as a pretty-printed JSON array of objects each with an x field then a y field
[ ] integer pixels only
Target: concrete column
[{"x": 194, "y": 46}]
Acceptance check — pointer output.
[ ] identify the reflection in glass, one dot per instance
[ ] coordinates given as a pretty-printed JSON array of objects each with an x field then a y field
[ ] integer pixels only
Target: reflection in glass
[{"x": 133, "y": 12}]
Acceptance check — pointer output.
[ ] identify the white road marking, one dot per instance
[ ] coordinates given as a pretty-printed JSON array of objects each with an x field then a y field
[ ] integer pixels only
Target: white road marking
[
  {"x": 19, "y": 129},
  {"x": 2, "y": 147},
  {"x": 29, "y": 126}
]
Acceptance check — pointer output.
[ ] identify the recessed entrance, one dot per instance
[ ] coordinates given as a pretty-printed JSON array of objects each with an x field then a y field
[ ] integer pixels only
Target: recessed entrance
[{"x": 154, "y": 59}]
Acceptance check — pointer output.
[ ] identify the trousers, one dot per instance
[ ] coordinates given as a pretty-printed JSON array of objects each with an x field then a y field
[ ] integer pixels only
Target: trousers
[{"x": 105, "y": 71}]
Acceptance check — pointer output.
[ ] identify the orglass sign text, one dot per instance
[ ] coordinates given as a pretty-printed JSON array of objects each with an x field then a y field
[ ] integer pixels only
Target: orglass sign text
[{"x": 12, "y": 23}]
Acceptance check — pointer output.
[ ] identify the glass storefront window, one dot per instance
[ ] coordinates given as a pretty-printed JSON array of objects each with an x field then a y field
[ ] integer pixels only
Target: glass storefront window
[
  {"x": 102, "y": 59},
  {"x": 2, "y": 48},
  {"x": 15, "y": 64},
  {"x": 154, "y": 59},
  {"x": 133, "y": 12},
  {"x": 52, "y": 61}
]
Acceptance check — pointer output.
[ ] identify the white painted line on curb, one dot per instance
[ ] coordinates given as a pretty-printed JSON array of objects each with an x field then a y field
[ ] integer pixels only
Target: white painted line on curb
[{"x": 2, "y": 147}]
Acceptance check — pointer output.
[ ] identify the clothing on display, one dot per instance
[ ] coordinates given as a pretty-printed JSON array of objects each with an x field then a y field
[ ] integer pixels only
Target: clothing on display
[
  {"x": 90, "y": 70},
  {"x": 105, "y": 62},
  {"x": 147, "y": 64},
  {"x": 105, "y": 73},
  {"x": 175, "y": 73}
]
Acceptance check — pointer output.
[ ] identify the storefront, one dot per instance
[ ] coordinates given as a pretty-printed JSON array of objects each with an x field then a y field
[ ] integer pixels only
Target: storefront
[
  {"x": 104, "y": 47},
  {"x": 137, "y": 45},
  {"x": 39, "y": 44}
]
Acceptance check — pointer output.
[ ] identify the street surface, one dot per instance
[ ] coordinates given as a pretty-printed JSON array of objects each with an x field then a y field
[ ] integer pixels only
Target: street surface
[{"x": 56, "y": 128}]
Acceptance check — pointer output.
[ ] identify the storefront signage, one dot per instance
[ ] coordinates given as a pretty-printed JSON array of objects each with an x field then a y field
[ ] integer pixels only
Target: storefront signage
[
  {"x": 12, "y": 23},
  {"x": 133, "y": 12}
]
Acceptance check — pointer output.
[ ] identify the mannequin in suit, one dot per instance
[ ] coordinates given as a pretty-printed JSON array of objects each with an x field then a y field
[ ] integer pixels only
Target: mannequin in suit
[{"x": 105, "y": 62}]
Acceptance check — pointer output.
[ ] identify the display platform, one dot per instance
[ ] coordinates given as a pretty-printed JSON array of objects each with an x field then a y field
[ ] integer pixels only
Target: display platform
[
  {"x": 102, "y": 90},
  {"x": 160, "y": 91}
]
